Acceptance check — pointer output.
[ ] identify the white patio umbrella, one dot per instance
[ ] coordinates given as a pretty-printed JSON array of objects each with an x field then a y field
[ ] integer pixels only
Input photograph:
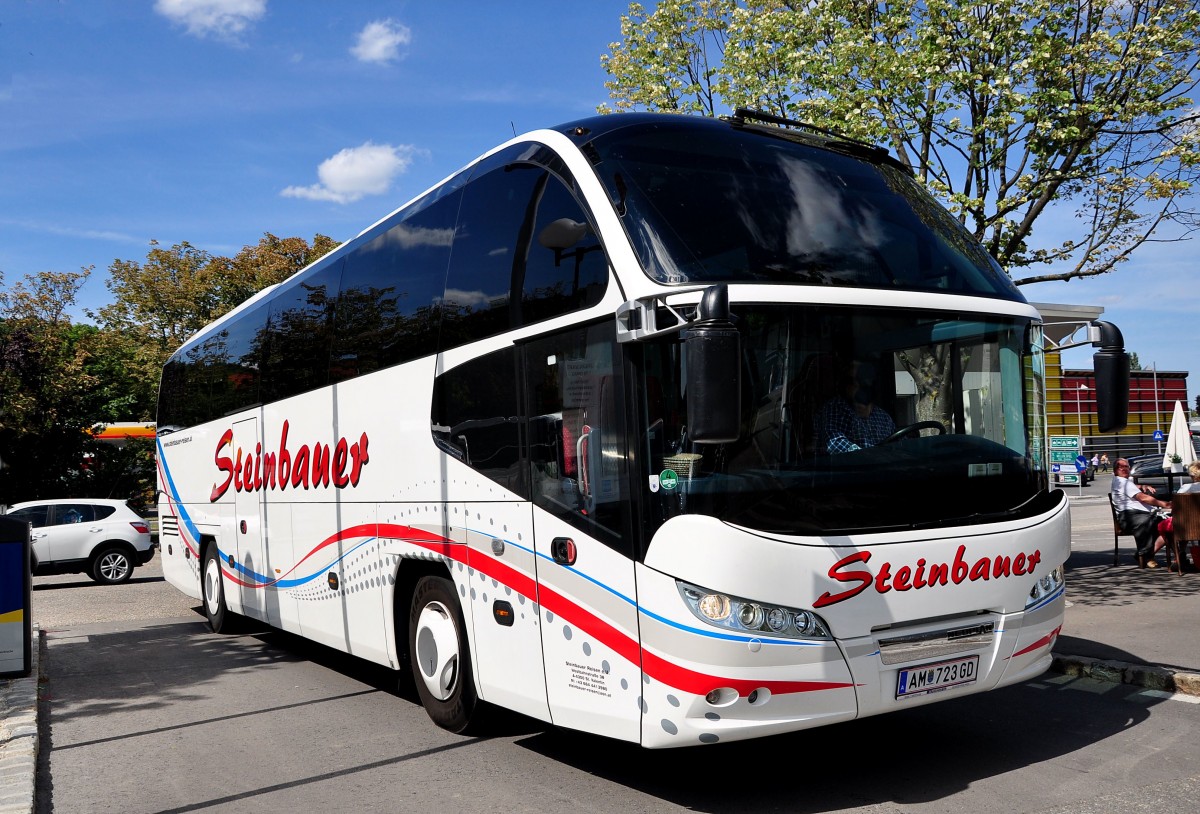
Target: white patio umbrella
[{"x": 1179, "y": 439}]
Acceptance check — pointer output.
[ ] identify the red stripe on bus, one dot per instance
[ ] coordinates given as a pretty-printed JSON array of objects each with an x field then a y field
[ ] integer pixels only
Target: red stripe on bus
[{"x": 1045, "y": 641}]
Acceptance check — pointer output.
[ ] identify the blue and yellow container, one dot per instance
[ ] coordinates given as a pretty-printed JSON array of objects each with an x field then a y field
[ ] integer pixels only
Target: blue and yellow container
[{"x": 16, "y": 620}]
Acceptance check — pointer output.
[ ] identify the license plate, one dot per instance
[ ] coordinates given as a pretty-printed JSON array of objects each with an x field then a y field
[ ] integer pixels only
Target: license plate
[{"x": 933, "y": 677}]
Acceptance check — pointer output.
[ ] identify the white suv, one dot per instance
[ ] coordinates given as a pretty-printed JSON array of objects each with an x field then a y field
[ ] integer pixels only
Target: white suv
[{"x": 103, "y": 538}]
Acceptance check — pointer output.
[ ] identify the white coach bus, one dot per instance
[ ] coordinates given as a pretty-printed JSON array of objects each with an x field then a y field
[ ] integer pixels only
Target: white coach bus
[{"x": 671, "y": 429}]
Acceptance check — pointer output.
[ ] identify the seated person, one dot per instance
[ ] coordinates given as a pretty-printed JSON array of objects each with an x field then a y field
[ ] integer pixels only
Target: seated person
[
  {"x": 852, "y": 420},
  {"x": 1165, "y": 527},
  {"x": 1133, "y": 504}
]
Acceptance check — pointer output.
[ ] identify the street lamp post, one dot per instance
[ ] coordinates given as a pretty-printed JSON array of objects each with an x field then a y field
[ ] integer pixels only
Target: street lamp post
[
  {"x": 1157, "y": 416},
  {"x": 1079, "y": 418},
  {"x": 1079, "y": 413}
]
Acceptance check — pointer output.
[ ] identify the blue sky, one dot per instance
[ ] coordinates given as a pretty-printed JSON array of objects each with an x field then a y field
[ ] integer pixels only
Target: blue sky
[{"x": 214, "y": 121}]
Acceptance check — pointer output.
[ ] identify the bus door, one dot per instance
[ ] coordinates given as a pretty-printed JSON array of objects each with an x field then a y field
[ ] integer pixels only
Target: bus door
[
  {"x": 477, "y": 422},
  {"x": 252, "y": 563},
  {"x": 503, "y": 603},
  {"x": 582, "y": 531}
]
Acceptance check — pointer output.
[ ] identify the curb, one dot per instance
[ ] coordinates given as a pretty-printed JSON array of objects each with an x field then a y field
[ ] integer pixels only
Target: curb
[
  {"x": 1149, "y": 676},
  {"x": 19, "y": 736}
]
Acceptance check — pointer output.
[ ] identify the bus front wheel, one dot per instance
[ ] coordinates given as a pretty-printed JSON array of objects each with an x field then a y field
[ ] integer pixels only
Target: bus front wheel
[
  {"x": 440, "y": 656},
  {"x": 214, "y": 591}
]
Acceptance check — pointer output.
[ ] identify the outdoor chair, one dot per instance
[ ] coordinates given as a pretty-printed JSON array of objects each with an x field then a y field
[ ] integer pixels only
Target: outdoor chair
[
  {"x": 1174, "y": 547},
  {"x": 1185, "y": 514},
  {"x": 1118, "y": 533}
]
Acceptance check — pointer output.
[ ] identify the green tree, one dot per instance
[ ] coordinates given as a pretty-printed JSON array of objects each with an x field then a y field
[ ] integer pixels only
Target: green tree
[
  {"x": 1002, "y": 107},
  {"x": 56, "y": 383},
  {"x": 159, "y": 303}
]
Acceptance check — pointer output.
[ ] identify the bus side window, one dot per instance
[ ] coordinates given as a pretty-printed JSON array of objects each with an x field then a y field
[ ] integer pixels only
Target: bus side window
[
  {"x": 566, "y": 268},
  {"x": 297, "y": 350},
  {"x": 577, "y": 431},
  {"x": 524, "y": 249},
  {"x": 476, "y": 418},
  {"x": 388, "y": 310}
]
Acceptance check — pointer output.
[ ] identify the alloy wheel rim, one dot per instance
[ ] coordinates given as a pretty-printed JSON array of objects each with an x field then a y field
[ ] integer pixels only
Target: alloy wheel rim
[
  {"x": 437, "y": 650},
  {"x": 212, "y": 585},
  {"x": 113, "y": 566}
]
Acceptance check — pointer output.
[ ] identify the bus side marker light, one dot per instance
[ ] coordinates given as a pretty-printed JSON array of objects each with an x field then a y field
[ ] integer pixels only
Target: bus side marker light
[
  {"x": 502, "y": 612},
  {"x": 333, "y": 581}
]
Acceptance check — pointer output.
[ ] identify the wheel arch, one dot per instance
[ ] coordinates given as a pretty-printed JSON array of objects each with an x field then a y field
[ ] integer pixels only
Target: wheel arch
[
  {"x": 409, "y": 571},
  {"x": 202, "y": 545}
]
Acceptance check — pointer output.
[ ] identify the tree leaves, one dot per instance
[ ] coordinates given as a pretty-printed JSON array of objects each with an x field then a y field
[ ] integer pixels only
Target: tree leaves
[
  {"x": 58, "y": 379},
  {"x": 1002, "y": 108}
]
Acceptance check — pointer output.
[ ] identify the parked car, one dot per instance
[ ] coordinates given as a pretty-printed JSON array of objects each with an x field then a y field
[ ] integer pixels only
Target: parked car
[
  {"x": 102, "y": 538},
  {"x": 1147, "y": 470}
]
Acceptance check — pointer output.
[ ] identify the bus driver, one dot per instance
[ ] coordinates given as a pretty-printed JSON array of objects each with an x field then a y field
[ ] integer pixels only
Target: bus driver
[{"x": 852, "y": 420}]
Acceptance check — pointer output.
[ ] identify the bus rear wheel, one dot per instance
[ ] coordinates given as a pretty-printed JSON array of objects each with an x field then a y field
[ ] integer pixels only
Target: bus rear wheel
[
  {"x": 219, "y": 616},
  {"x": 440, "y": 655}
]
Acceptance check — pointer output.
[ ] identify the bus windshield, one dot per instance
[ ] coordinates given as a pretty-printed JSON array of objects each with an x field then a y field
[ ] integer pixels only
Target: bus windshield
[
  {"x": 708, "y": 202},
  {"x": 857, "y": 419}
]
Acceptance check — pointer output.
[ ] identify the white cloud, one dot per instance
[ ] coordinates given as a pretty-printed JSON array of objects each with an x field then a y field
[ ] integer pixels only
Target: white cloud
[
  {"x": 74, "y": 232},
  {"x": 356, "y": 172},
  {"x": 224, "y": 19},
  {"x": 380, "y": 41}
]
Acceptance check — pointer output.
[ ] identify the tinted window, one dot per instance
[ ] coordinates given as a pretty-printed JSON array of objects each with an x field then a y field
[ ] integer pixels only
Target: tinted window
[
  {"x": 703, "y": 201},
  {"x": 388, "y": 308},
  {"x": 297, "y": 353},
  {"x": 477, "y": 418},
  {"x": 244, "y": 341},
  {"x": 216, "y": 375},
  {"x": 847, "y": 412},
  {"x": 36, "y": 515},
  {"x": 172, "y": 395},
  {"x": 577, "y": 430},
  {"x": 524, "y": 249},
  {"x": 67, "y": 513}
]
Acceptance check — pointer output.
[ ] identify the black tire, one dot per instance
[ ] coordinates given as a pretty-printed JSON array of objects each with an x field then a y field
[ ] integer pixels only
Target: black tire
[
  {"x": 112, "y": 565},
  {"x": 212, "y": 589},
  {"x": 441, "y": 656}
]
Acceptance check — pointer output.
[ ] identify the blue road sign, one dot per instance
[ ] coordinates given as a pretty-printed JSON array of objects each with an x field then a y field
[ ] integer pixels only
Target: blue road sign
[{"x": 1158, "y": 436}]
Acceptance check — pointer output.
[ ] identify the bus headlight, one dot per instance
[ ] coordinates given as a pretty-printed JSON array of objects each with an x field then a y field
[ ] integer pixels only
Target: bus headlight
[
  {"x": 746, "y": 616},
  {"x": 714, "y": 607},
  {"x": 1045, "y": 586}
]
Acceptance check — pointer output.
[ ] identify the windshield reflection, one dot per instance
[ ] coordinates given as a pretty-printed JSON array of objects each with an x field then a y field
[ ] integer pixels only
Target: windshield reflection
[{"x": 856, "y": 419}]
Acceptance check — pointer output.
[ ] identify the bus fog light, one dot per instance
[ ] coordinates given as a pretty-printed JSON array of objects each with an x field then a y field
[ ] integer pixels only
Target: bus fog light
[{"x": 721, "y": 697}]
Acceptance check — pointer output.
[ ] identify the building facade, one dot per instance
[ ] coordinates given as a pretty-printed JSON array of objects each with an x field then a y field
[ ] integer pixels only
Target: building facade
[{"x": 1071, "y": 394}]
